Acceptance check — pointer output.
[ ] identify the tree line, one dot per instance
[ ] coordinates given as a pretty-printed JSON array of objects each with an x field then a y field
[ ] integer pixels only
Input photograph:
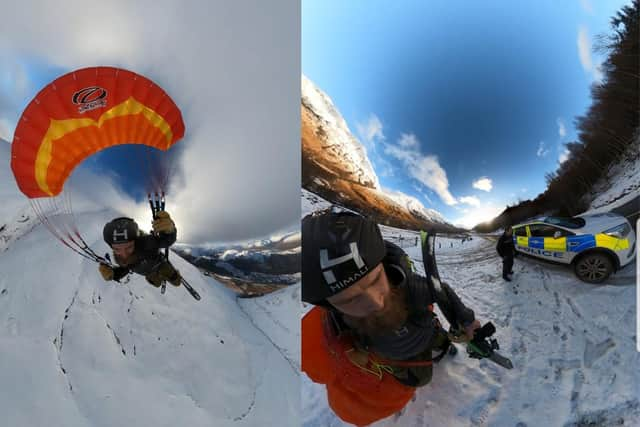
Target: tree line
[{"x": 605, "y": 133}]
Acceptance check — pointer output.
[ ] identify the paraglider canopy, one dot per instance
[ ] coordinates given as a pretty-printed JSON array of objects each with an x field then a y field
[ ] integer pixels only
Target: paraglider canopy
[
  {"x": 76, "y": 116},
  {"x": 82, "y": 113}
]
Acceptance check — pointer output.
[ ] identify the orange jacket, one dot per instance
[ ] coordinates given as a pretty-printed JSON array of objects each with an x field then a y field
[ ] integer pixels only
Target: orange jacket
[{"x": 357, "y": 395}]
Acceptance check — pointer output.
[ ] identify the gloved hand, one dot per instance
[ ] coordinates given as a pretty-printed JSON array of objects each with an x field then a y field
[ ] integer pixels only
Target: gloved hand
[
  {"x": 163, "y": 223},
  {"x": 470, "y": 329},
  {"x": 106, "y": 272}
]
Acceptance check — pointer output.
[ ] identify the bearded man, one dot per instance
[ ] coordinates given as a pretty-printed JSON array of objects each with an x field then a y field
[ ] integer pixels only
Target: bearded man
[
  {"x": 138, "y": 252},
  {"x": 373, "y": 337}
]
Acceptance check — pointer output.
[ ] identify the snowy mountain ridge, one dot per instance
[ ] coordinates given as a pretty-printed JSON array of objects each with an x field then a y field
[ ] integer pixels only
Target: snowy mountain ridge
[
  {"x": 342, "y": 147},
  {"x": 415, "y": 206},
  {"x": 335, "y": 166}
]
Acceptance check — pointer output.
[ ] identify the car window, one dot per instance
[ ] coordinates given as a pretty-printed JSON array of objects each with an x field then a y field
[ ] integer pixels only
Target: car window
[
  {"x": 542, "y": 230},
  {"x": 520, "y": 231},
  {"x": 576, "y": 222}
]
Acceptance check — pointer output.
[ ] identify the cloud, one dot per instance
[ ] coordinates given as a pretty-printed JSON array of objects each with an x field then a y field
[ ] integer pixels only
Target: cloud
[
  {"x": 541, "y": 151},
  {"x": 483, "y": 212},
  {"x": 586, "y": 6},
  {"x": 564, "y": 156},
  {"x": 524, "y": 190},
  {"x": 422, "y": 193},
  {"x": 371, "y": 135},
  {"x": 14, "y": 89},
  {"x": 470, "y": 200},
  {"x": 6, "y": 130},
  {"x": 235, "y": 75},
  {"x": 484, "y": 184},
  {"x": 584, "y": 52},
  {"x": 408, "y": 141},
  {"x": 562, "y": 129},
  {"x": 584, "y": 49},
  {"x": 425, "y": 169},
  {"x": 371, "y": 130}
]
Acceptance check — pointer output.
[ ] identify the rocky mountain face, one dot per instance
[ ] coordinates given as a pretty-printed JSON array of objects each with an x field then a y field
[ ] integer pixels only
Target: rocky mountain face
[{"x": 335, "y": 166}]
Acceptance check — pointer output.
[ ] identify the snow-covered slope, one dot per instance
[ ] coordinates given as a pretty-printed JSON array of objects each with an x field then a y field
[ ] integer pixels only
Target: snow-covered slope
[
  {"x": 277, "y": 314},
  {"x": 11, "y": 200},
  {"x": 78, "y": 351},
  {"x": 343, "y": 148},
  {"x": 312, "y": 202},
  {"x": 621, "y": 183},
  {"x": 415, "y": 206},
  {"x": 572, "y": 346}
]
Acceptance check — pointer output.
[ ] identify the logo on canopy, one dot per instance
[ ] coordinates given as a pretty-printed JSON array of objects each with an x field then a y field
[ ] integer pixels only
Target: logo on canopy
[{"x": 90, "y": 98}]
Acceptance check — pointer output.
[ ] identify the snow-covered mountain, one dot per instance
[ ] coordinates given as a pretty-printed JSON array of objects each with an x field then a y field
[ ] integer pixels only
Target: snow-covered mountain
[
  {"x": 573, "y": 347},
  {"x": 415, "y": 206},
  {"x": 339, "y": 148},
  {"x": 78, "y": 351},
  {"x": 335, "y": 166},
  {"x": 268, "y": 261}
]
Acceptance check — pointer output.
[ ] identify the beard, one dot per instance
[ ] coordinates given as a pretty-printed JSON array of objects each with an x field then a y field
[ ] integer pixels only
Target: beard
[
  {"x": 393, "y": 316},
  {"x": 131, "y": 259}
]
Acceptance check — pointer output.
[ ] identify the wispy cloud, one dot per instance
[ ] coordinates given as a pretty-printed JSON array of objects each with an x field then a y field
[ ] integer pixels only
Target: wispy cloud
[
  {"x": 483, "y": 183},
  {"x": 425, "y": 169},
  {"x": 586, "y": 6},
  {"x": 584, "y": 52},
  {"x": 372, "y": 137},
  {"x": 408, "y": 141},
  {"x": 371, "y": 130},
  {"x": 541, "y": 150},
  {"x": 564, "y": 156},
  {"x": 423, "y": 194},
  {"x": 470, "y": 200},
  {"x": 562, "y": 129}
]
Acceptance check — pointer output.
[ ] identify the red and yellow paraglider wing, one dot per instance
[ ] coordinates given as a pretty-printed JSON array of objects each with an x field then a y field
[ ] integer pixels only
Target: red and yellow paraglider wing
[{"x": 82, "y": 113}]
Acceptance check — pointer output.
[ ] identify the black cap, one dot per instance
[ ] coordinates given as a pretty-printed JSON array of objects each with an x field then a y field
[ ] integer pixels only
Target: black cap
[
  {"x": 120, "y": 230},
  {"x": 338, "y": 249}
]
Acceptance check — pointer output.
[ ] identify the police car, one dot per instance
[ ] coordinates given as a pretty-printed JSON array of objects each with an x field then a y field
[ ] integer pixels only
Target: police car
[{"x": 596, "y": 245}]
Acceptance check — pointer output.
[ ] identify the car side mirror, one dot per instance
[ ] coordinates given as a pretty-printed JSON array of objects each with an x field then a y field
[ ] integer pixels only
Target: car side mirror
[{"x": 557, "y": 234}]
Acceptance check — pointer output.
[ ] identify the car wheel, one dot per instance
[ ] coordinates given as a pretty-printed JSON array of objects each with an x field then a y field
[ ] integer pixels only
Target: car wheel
[{"x": 594, "y": 268}]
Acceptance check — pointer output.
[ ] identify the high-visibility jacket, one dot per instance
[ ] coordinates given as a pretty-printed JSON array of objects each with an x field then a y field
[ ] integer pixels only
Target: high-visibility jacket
[{"x": 358, "y": 395}]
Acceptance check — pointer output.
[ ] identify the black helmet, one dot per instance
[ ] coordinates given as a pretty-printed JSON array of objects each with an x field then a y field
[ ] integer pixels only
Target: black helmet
[
  {"x": 120, "y": 230},
  {"x": 338, "y": 249}
]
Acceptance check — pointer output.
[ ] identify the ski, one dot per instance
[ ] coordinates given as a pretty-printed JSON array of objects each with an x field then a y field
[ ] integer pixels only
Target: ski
[{"x": 188, "y": 287}]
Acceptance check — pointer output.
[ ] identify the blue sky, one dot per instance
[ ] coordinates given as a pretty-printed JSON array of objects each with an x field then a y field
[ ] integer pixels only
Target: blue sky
[{"x": 464, "y": 105}]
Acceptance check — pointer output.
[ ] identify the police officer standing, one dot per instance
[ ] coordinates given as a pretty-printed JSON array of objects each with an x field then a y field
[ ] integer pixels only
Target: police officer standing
[{"x": 506, "y": 250}]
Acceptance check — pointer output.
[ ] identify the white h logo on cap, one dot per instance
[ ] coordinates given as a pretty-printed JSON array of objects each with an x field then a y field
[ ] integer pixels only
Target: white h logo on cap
[
  {"x": 326, "y": 263},
  {"x": 116, "y": 235}
]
